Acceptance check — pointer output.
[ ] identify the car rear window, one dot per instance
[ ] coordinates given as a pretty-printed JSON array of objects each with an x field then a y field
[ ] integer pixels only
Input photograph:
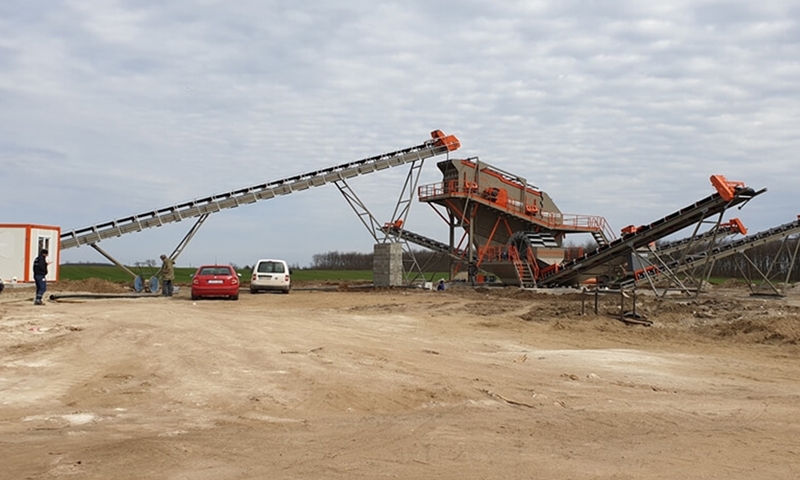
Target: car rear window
[
  {"x": 215, "y": 271},
  {"x": 271, "y": 267}
]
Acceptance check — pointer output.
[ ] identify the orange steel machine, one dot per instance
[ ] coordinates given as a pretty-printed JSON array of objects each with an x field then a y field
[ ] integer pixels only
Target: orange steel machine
[
  {"x": 515, "y": 231},
  {"x": 511, "y": 228}
]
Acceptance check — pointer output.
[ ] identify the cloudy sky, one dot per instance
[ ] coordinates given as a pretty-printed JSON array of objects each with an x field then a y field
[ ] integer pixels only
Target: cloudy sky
[{"x": 615, "y": 108}]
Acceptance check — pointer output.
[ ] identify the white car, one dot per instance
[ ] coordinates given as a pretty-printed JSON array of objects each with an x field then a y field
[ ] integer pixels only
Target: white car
[{"x": 269, "y": 274}]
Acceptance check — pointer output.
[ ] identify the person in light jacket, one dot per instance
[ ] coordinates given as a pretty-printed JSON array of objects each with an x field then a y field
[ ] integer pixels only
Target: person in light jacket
[{"x": 167, "y": 275}]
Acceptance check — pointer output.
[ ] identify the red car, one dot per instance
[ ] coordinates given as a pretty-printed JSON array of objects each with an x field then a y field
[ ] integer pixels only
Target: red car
[{"x": 215, "y": 281}]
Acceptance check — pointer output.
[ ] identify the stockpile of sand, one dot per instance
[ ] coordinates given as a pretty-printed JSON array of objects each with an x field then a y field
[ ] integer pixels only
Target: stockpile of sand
[{"x": 89, "y": 285}]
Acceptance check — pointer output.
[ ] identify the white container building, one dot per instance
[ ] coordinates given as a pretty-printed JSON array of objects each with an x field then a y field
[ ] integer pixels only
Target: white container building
[{"x": 19, "y": 246}]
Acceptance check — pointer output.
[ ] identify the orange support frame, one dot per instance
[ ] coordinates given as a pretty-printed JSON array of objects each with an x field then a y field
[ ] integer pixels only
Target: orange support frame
[
  {"x": 442, "y": 140},
  {"x": 725, "y": 188},
  {"x": 493, "y": 253},
  {"x": 736, "y": 225},
  {"x": 630, "y": 230}
]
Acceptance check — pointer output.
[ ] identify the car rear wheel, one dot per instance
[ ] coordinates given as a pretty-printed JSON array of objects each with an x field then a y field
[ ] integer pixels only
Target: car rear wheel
[{"x": 235, "y": 297}]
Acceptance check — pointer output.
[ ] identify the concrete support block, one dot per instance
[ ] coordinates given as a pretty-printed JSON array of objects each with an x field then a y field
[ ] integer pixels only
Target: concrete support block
[{"x": 387, "y": 265}]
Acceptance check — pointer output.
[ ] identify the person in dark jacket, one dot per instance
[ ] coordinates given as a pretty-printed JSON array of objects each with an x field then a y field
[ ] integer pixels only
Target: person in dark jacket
[
  {"x": 40, "y": 276},
  {"x": 472, "y": 272}
]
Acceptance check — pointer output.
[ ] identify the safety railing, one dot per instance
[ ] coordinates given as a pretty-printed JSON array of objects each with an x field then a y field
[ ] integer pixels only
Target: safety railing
[
  {"x": 492, "y": 196},
  {"x": 493, "y": 253}
]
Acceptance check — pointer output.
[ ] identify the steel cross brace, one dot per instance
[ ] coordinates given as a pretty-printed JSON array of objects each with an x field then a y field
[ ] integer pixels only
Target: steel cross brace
[
  {"x": 363, "y": 213},
  {"x": 185, "y": 241},
  {"x": 188, "y": 237},
  {"x": 671, "y": 272},
  {"x": 402, "y": 208},
  {"x": 768, "y": 277}
]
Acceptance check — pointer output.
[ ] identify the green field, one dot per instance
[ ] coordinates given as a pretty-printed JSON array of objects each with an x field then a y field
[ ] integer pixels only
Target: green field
[{"x": 183, "y": 275}]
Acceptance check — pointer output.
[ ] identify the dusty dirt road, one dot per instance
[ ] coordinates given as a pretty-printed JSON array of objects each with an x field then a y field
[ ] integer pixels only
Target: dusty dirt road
[{"x": 462, "y": 384}]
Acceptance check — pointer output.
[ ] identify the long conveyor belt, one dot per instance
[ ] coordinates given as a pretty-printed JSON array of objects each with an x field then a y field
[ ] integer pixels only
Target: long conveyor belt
[
  {"x": 439, "y": 144},
  {"x": 725, "y": 250},
  {"x": 596, "y": 261}
]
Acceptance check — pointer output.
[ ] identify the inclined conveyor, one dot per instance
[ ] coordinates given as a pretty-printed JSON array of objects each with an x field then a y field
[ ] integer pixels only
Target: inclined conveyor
[
  {"x": 598, "y": 261},
  {"x": 724, "y": 250},
  {"x": 439, "y": 144}
]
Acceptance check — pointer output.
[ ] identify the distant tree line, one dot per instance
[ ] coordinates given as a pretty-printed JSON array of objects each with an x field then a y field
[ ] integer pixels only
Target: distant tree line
[
  {"x": 341, "y": 261},
  {"x": 773, "y": 259},
  {"x": 429, "y": 261}
]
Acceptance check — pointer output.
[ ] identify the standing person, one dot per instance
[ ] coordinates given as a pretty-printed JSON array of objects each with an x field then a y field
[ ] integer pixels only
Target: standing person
[
  {"x": 167, "y": 275},
  {"x": 472, "y": 271},
  {"x": 40, "y": 275}
]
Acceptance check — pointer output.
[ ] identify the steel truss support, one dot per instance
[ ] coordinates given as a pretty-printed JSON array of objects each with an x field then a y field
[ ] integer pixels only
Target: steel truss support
[
  {"x": 663, "y": 269},
  {"x": 784, "y": 260},
  {"x": 401, "y": 210},
  {"x": 700, "y": 276},
  {"x": 793, "y": 259},
  {"x": 773, "y": 272},
  {"x": 153, "y": 283},
  {"x": 367, "y": 219},
  {"x": 113, "y": 260},
  {"x": 188, "y": 238},
  {"x": 404, "y": 201},
  {"x": 692, "y": 283}
]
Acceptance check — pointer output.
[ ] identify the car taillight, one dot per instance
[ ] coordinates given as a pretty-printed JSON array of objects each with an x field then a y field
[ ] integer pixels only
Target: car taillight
[
  {"x": 286, "y": 278},
  {"x": 254, "y": 278},
  {"x": 234, "y": 281},
  {"x": 195, "y": 282}
]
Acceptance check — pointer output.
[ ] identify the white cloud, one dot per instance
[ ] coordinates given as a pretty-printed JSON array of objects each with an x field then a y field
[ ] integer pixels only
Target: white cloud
[{"x": 621, "y": 109}]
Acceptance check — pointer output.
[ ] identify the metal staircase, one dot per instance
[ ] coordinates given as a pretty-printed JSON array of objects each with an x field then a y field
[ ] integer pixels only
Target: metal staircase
[
  {"x": 526, "y": 276},
  {"x": 600, "y": 238},
  {"x": 527, "y": 243}
]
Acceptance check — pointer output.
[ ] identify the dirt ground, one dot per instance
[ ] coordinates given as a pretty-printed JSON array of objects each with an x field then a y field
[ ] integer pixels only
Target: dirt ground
[{"x": 362, "y": 383}]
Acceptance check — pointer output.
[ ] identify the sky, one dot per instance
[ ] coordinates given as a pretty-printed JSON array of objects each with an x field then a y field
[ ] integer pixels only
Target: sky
[{"x": 622, "y": 109}]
